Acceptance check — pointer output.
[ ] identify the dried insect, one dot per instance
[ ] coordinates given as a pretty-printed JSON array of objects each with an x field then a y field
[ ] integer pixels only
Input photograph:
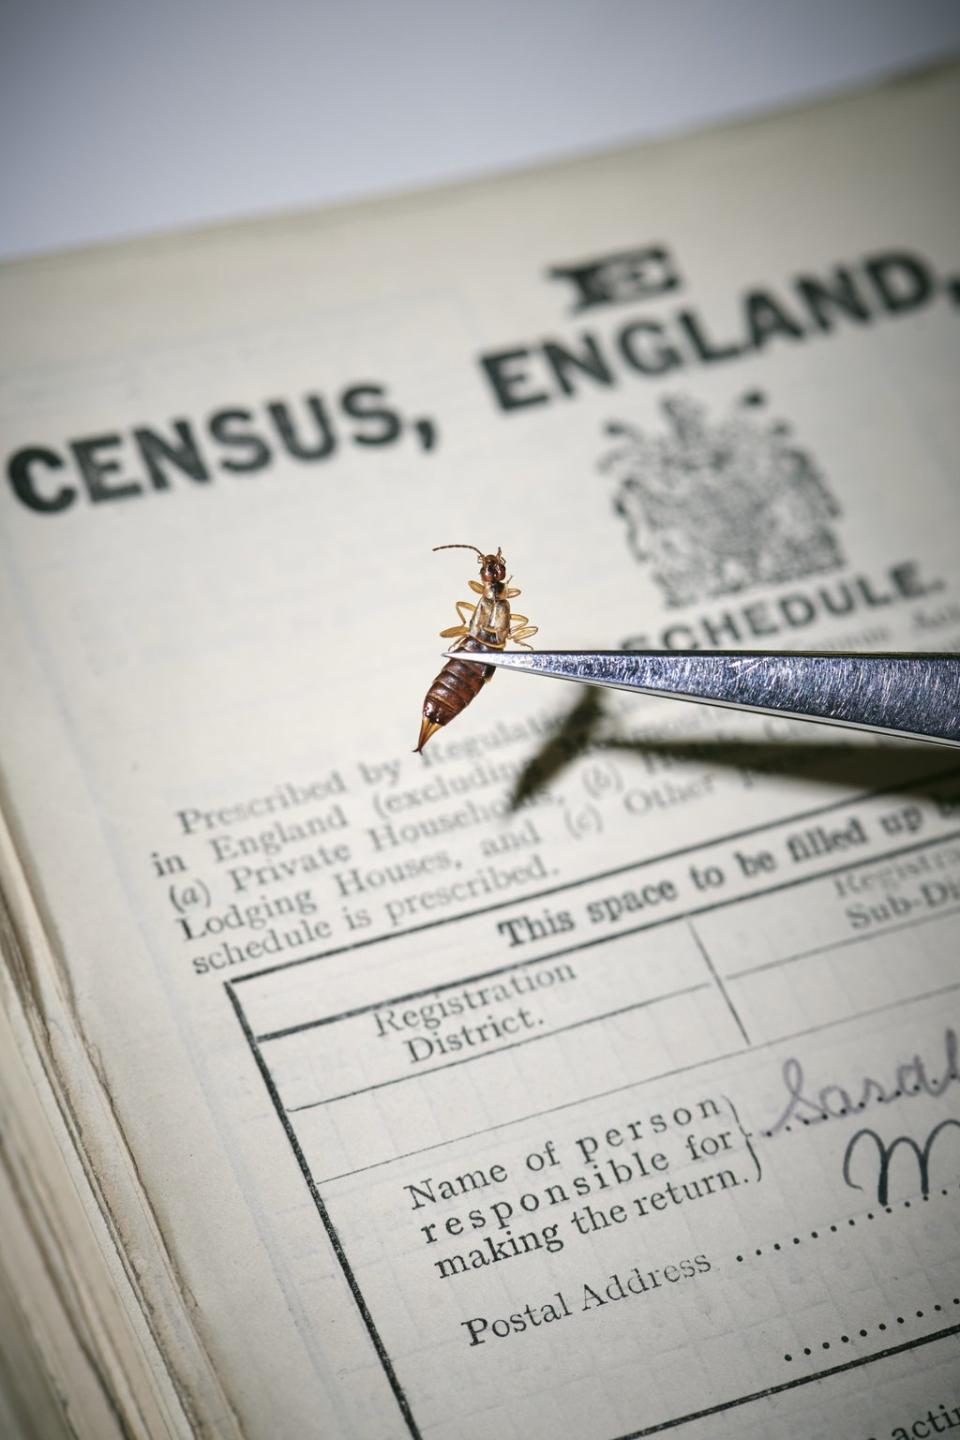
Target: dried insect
[{"x": 486, "y": 624}]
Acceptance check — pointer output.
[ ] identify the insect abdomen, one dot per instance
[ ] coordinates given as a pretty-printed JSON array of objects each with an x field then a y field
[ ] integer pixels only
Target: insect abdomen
[{"x": 452, "y": 691}]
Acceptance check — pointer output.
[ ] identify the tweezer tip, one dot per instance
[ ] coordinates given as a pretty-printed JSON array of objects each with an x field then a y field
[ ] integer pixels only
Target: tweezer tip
[{"x": 491, "y": 657}]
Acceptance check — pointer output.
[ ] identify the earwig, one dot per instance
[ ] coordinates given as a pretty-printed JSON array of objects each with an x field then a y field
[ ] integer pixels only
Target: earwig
[{"x": 486, "y": 624}]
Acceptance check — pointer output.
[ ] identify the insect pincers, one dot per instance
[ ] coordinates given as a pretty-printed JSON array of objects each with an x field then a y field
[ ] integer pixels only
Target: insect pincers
[{"x": 485, "y": 624}]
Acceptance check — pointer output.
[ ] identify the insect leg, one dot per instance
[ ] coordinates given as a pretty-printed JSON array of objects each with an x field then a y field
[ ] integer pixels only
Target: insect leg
[
  {"x": 452, "y": 631},
  {"x": 465, "y": 605},
  {"x": 519, "y": 636}
]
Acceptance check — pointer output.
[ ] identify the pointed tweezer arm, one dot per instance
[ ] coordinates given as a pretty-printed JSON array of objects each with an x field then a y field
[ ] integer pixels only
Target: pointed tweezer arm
[{"x": 914, "y": 696}]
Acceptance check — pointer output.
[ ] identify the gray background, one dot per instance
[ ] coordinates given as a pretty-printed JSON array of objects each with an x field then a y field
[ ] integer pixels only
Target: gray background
[{"x": 119, "y": 117}]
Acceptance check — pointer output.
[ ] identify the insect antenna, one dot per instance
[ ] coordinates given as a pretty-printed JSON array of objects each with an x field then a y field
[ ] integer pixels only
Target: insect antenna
[{"x": 459, "y": 547}]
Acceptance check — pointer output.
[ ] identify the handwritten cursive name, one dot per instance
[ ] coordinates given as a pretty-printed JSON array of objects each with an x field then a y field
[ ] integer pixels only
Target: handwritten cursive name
[
  {"x": 911, "y": 1078},
  {"x": 885, "y": 1154}
]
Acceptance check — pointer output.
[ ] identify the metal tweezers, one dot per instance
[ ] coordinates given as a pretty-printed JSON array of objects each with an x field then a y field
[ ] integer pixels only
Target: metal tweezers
[{"x": 913, "y": 696}]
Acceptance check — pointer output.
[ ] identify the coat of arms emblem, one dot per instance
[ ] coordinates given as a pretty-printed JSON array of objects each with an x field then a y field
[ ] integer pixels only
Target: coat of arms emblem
[{"x": 719, "y": 506}]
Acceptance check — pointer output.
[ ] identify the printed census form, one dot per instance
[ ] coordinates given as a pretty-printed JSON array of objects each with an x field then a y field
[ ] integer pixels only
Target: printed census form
[{"x": 536, "y": 1152}]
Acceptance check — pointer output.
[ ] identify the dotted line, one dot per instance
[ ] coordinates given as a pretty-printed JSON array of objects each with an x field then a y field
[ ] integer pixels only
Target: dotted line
[
  {"x": 845, "y": 1339},
  {"x": 851, "y": 1222},
  {"x": 846, "y": 1110}
]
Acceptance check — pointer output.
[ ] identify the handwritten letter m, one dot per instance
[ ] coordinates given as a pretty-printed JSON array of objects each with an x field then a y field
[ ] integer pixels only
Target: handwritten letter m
[{"x": 885, "y": 1154}]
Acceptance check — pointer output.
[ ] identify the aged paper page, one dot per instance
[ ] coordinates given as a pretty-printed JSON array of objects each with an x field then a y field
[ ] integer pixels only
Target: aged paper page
[{"x": 593, "y": 1074}]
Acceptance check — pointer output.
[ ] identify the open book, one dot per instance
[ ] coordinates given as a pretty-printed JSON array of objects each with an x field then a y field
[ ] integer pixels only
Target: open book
[{"x": 593, "y": 1074}]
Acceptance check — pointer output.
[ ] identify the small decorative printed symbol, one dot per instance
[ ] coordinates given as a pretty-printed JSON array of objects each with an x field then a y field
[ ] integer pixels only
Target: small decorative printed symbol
[{"x": 718, "y": 507}]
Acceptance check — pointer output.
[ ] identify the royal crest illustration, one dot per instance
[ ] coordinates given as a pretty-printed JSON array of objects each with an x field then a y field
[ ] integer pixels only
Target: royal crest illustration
[{"x": 719, "y": 506}]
